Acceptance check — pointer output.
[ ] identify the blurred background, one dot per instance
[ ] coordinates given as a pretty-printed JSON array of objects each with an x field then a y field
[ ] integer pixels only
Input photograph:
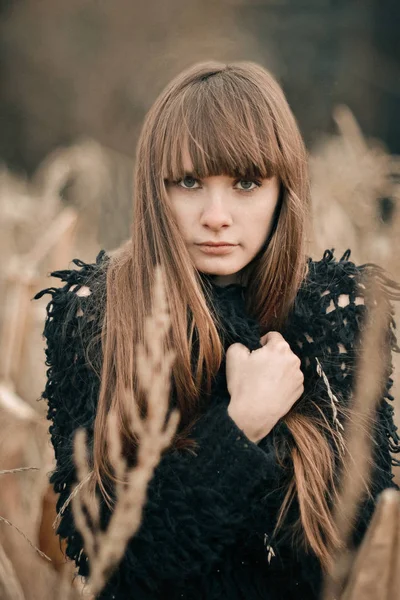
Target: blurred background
[{"x": 76, "y": 79}]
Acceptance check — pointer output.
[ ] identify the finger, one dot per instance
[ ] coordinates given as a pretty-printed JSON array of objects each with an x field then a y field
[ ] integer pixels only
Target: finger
[
  {"x": 238, "y": 348},
  {"x": 271, "y": 335}
]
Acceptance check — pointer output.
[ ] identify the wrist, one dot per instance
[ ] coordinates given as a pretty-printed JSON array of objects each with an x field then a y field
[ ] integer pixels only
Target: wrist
[{"x": 252, "y": 432}]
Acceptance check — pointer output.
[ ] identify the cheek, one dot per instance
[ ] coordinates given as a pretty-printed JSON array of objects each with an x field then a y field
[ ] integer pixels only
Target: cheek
[
  {"x": 260, "y": 222},
  {"x": 185, "y": 218},
  {"x": 264, "y": 208}
]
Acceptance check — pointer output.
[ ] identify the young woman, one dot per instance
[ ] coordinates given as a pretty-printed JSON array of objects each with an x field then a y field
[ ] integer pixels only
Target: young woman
[{"x": 266, "y": 341}]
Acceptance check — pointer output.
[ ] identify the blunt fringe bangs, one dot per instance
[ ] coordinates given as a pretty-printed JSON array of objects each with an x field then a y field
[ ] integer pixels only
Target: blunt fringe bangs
[{"x": 225, "y": 121}]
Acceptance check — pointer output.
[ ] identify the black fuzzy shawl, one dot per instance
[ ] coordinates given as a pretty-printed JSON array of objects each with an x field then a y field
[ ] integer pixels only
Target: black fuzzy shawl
[{"x": 208, "y": 520}]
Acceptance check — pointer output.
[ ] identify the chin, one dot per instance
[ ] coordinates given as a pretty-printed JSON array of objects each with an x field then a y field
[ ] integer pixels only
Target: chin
[{"x": 209, "y": 269}]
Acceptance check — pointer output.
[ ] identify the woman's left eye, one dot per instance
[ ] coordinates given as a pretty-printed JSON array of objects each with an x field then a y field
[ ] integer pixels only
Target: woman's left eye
[{"x": 247, "y": 185}]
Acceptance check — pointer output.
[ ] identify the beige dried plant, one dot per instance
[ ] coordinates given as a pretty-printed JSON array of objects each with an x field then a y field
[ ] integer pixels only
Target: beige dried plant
[
  {"x": 376, "y": 571},
  {"x": 350, "y": 175},
  {"x": 104, "y": 549},
  {"x": 10, "y": 588}
]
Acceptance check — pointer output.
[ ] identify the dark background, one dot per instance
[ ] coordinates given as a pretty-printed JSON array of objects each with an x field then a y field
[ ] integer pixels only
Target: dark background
[{"x": 92, "y": 68}]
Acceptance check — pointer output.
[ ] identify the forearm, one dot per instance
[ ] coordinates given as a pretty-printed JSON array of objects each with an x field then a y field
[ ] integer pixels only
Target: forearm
[{"x": 196, "y": 505}]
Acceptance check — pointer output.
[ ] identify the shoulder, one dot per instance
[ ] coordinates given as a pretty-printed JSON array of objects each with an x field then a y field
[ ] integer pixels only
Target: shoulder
[
  {"x": 71, "y": 391},
  {"x": 79, "y": 300},
  {"x": 78, "y": 281},
  {"x": 330, "y": 313},
  {"x": 333, "y": 300},
  {"x": 73, "y": 325},
  {"x": 332, "y": 284}
]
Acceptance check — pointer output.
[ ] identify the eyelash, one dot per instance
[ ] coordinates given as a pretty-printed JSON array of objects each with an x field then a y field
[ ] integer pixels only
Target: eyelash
[{"x": 255, "y": 181}]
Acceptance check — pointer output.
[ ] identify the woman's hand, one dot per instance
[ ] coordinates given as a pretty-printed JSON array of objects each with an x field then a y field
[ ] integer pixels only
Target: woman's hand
[{"x": 263, "y": 384}]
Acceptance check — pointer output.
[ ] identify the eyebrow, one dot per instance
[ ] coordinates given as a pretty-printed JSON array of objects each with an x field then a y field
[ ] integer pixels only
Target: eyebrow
[
  {"x": 248, "y": 174},
  {"x": 192, "y": 174}
]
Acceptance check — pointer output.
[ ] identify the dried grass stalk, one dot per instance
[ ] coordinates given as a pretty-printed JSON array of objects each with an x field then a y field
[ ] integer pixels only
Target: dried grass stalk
[
  {"x": 74, "y": 492},
  {"x": 65, "y": 589},
  {"x": 7, "y": 522},
  {"x": 350, "y": 176},
  {"x": 105, "y": 549},
  {"x": 376, "y": 572},
  {"x": 10, "y": 588},
  {"x": 368, "y": 389},
  {"x": 13, "y": 403},
  {"x": 19, "y": 470}
]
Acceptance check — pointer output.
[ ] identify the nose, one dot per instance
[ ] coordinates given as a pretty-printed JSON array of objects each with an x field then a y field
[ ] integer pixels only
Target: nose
[{"x": 215, "y": 214}]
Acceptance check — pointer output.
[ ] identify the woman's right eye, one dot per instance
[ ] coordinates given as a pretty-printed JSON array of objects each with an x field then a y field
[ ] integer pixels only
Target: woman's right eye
[{"x": 188, "y": 183}]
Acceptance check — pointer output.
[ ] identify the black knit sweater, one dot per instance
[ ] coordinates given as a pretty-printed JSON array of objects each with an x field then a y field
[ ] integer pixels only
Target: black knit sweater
[{"x": 208, "y": 520}]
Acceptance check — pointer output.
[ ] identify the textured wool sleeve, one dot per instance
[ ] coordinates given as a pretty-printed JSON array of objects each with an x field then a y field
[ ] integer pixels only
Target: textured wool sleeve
[
  {"x": 196, "y": 507},
  {"x": 196, "y": 504}
]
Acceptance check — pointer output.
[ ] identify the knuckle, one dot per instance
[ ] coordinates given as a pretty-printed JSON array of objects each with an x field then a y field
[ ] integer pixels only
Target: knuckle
[
  {"x": 232, "y": 349},
  {"x": 297, "y": 362},
  {"x": 281, "y": 345},
  {"x": 275, "y": 336},
  {"x": 235, "y": 349}
]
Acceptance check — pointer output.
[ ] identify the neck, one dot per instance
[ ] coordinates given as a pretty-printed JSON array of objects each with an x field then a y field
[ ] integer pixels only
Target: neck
[
  {"x": 224, "y": 280},
  {"x": 239, "y": 278}
]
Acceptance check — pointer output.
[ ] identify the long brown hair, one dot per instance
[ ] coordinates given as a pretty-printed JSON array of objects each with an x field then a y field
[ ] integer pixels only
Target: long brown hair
[{"x": 234, "y": 119}]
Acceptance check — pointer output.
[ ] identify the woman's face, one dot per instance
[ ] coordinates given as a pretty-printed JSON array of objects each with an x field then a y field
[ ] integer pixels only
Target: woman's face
[{"x": 223, "y": 209}]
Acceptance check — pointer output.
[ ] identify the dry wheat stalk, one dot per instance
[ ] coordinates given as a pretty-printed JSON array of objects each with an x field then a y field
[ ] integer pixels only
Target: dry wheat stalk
[
  {"x": 10, "y": 588},
  {"x": 349, "y": 175},
  {"x": 65, "y": 589},
  {"x": 376, "y": 573},
  {"x": 104, "y": 549},
  {"x": 7, "y": 522},
  {"x": 368, "y": 387},
  {"x": 19, "y": 470}
]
